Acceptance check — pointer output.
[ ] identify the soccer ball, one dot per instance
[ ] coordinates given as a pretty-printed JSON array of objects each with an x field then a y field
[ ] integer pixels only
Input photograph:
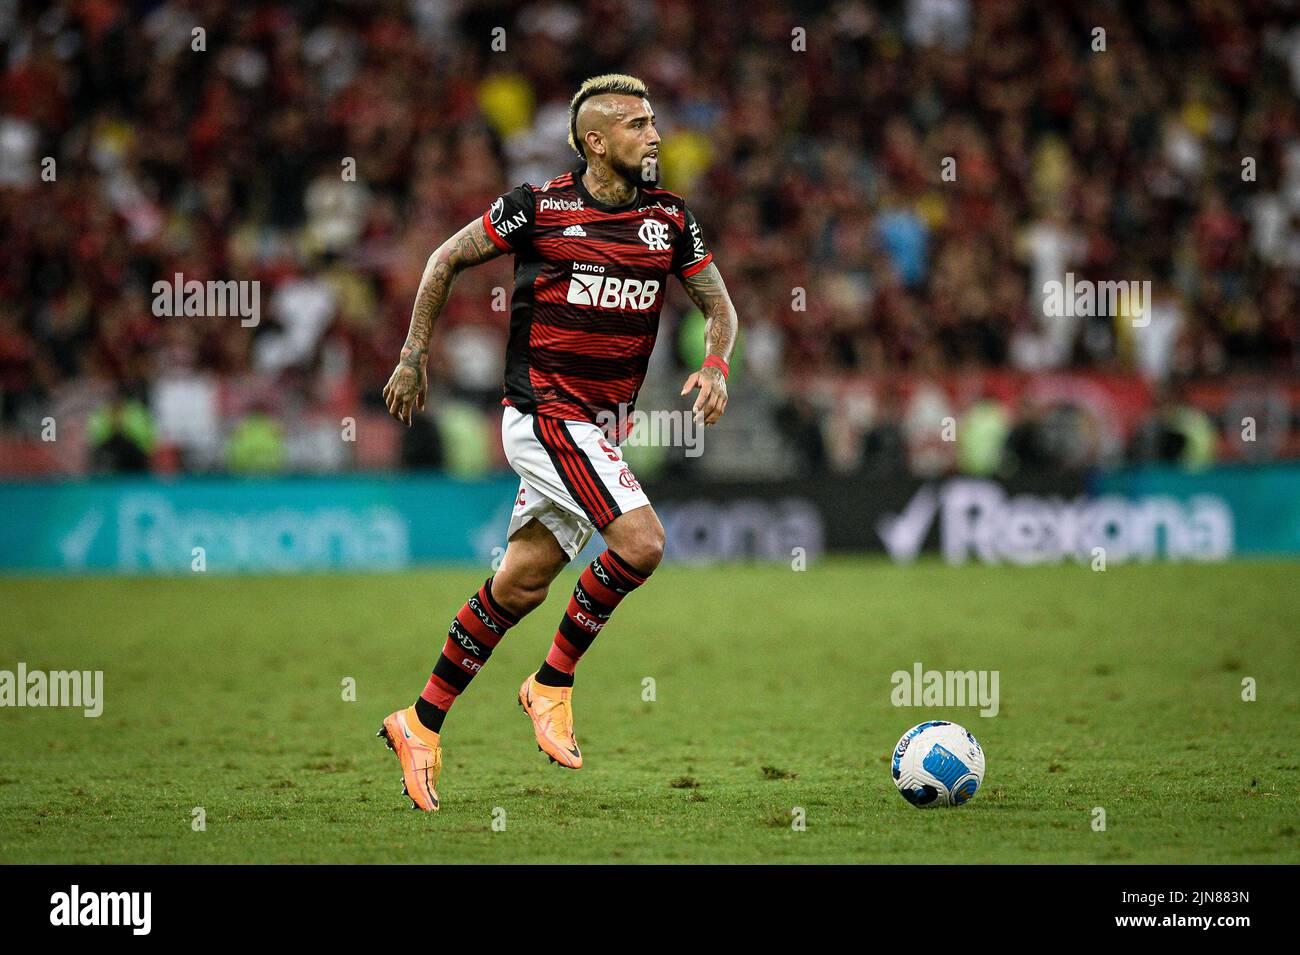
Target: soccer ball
[{"x": 937, "y": 764}]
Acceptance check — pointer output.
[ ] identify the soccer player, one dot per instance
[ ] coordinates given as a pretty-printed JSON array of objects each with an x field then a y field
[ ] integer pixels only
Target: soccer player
[{"x": 593, "y": 248}]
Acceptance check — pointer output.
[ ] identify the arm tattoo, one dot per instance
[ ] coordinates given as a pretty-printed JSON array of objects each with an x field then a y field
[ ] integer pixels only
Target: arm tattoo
[
  {"x": 708, "y": 292},
  {"x": 468, "y": 247}
]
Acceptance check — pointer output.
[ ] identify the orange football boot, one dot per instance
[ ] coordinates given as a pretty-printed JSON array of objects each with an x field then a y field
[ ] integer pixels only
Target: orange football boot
[
  {"x": 419, "y": 753},
  {"x": 551, "y": 710}
]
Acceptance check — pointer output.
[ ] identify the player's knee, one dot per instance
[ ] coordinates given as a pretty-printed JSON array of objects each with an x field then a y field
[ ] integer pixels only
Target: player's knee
[
  {"x": 646, "y": 550},
  {"x": 520, "y": 596}
]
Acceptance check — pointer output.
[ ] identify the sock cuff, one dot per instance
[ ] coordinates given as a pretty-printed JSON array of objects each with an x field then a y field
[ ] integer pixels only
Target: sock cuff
[
  {"x": 556, "y": 670},
  {"x": 506, "y": 616},
  {"x": 620, "y": 566},
  {"x": 428, "y": 715}
]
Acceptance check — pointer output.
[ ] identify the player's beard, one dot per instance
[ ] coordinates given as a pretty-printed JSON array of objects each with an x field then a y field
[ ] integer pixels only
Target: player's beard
[{"x": 646, "y": 175}]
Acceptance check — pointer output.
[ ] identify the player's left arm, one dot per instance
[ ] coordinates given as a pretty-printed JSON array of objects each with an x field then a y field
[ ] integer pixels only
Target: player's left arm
[{"x": 709, "y": 293}]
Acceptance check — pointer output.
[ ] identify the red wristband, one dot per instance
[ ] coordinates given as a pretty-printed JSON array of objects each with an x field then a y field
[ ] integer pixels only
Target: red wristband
[{"x": 713, "y": 361}]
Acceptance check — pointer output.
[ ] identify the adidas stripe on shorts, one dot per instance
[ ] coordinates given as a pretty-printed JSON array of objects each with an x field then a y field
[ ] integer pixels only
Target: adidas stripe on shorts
[{"x": 571, "y": 479}]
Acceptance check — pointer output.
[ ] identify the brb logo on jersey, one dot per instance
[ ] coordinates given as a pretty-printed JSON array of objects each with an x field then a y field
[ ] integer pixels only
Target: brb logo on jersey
[
  {"x": 655, "y": 235},
  {"x": 588, "y": 286}
]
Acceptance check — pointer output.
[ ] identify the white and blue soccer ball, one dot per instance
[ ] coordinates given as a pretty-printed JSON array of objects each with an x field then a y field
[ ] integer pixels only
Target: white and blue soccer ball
[{"x": 937, "y": 764}]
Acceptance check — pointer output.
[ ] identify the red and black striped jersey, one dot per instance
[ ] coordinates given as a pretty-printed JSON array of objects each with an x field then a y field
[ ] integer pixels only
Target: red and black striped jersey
[{"x": 589, "y": 285}]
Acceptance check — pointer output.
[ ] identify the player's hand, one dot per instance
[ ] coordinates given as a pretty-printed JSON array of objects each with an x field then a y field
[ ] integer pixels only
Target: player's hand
[
  {"x": 712, "y": 399},
  {"x": 405, "y": 392}
]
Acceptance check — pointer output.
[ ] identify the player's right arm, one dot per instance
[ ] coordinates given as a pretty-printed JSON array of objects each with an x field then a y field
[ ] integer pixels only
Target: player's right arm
[{"x": 409, "y": 383}]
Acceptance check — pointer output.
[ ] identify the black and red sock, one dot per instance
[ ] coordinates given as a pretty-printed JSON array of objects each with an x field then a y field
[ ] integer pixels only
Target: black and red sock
[
  {"x": 475, "y": 631},
  {"x": 603, "y": 584}
]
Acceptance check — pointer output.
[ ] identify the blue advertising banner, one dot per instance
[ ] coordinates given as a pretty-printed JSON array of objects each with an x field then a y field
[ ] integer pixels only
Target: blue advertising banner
[
  {"x": 149, "y": 526},
  {"x": 286, "y": 525},
  {"x": 1263, "y": 500}
]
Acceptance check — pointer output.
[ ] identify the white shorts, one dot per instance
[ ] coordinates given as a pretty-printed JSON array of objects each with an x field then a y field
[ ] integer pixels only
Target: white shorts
[{"x": 571, "y": 478}]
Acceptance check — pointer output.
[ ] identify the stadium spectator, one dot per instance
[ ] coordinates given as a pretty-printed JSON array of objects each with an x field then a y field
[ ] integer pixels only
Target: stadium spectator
[
  {"x": 919, "y": 172},
  {"x": 256, "y": 445},
  {"x": 121, "y": 435}
]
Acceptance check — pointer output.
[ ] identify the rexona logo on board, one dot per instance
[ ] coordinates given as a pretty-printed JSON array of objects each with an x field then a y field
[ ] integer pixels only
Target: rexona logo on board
[{"x": 978, "y": 521}]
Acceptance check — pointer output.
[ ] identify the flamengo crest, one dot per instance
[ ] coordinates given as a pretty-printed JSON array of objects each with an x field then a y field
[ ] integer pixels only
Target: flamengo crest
[{"x": 655, "y": 235}]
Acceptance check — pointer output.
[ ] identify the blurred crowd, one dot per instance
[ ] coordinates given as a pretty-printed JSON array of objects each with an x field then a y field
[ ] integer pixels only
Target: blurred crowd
[{"x": 887, "y": 188}]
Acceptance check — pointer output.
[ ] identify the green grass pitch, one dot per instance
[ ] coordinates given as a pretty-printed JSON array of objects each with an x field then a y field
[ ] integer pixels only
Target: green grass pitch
[{"x": 1120, "y": 690}]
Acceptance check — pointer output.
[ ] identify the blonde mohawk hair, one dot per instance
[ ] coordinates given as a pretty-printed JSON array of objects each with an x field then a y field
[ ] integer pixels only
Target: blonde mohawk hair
[{"x": 619, "y": 83}]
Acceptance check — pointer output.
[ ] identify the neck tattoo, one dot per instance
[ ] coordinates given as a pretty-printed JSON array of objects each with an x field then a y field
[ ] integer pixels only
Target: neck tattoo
[{"x": 605, "y": 186}]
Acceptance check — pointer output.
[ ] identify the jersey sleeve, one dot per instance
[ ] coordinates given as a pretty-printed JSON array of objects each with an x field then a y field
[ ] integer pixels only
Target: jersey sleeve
[
  {"x": 690, "y": 254},
  {"x": 509, "y": 221}
]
